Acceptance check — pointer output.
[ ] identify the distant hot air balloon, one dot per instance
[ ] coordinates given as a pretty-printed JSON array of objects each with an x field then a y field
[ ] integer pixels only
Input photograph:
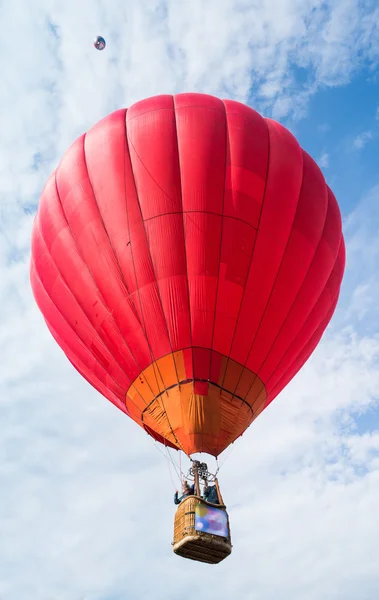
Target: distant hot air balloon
[
  {"x": 99, "y": 42},
  {"x": 187, "y": 256}
]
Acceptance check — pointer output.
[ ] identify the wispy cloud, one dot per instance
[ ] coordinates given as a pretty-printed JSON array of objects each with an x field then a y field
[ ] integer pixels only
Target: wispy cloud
[
  {"x": 323, "y": 161},
  {"x": 363, "y": 139}
]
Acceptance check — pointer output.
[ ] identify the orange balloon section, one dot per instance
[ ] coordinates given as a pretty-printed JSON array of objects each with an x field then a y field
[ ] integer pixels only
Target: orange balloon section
[{"x": 187, "y": 256}]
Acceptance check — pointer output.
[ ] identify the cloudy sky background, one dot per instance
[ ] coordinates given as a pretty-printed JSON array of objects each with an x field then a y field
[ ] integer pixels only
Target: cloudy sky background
[{"x": 86, "y": 509}]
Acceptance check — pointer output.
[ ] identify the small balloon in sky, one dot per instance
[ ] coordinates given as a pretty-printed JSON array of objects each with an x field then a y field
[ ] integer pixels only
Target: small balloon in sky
[{"x": 99, "y": 42}]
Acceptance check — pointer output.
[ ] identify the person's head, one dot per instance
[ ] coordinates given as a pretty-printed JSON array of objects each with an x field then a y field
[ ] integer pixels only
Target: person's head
[{"x": 185, "y": 486}]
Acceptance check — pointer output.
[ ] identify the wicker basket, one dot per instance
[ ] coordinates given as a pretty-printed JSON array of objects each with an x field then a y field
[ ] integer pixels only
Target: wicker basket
[{"x": 198, "y": 545}]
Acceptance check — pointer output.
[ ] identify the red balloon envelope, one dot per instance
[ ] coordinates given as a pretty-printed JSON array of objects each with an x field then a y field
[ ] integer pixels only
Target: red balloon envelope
[{"x": 187, "y": 256}]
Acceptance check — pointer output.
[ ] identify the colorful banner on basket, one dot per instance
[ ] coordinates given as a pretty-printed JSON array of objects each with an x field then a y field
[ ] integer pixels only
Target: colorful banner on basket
[{"x": 211, "y": 520}]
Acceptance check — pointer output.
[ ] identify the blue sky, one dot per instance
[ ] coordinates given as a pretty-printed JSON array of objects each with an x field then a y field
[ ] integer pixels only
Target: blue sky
[
  {"x": 77, "y": 519},
  {"x": 343, "y": 123}
]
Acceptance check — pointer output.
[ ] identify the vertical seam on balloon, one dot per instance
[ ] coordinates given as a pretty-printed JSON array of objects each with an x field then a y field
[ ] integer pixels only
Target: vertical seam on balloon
[
  {"x": 106, "y": 231},
  {"x": 306, "y": 321},
  {"x": 152, "y": 358},
  {"x": 87, "y": 267},
  {"x": 151, "y": 260},
  {"x": 152, "y": 264},
  {"x": 301, "y": 287},
  {"x": 183, "y": 223},
  {"x": 185, "y": 242},
  {"x": 89, "y": 271},
  {"x": 226, "y": 124},
  {"x": 97, "y": 337},
  {"x": 143, "y": 324},
  {"x": 114, "y": 254},
  {"x": 275, "y": 280},
  {"x": 154, "y": 363},
  {"x": 252, "y": 254}
]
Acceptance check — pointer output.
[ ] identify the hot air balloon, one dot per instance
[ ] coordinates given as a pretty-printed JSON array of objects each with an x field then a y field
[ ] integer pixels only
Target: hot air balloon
[
  {"x": 99, "y": 42},
  {"x": 187, "y": 256}
]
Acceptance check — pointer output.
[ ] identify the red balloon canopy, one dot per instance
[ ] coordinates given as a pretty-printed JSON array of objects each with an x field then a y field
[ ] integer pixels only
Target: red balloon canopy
[{"x": 187, "y": 256}]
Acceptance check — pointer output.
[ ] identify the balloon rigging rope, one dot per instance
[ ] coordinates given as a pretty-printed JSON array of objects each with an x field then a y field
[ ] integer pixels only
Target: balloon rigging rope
[
  {"x": 226, "y": 457},
  {"x": 168, "y": 459},
  {"x": 169, "y": 468},
  {"x": 173, "y": 463},
  {"x": 180, "y": 465}
]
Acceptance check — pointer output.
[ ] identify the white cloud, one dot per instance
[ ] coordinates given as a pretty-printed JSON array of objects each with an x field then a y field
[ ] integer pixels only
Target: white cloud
[
  {"x": 323, "y": 161},
  {"x": 362, "y": 139},
  {"x": 360, "y": 305},
  {"x": 85, "y": 504}
]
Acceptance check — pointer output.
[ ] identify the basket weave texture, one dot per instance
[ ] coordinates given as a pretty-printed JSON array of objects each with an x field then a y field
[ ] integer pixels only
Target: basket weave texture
[{"x": 198, "y": 545}]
